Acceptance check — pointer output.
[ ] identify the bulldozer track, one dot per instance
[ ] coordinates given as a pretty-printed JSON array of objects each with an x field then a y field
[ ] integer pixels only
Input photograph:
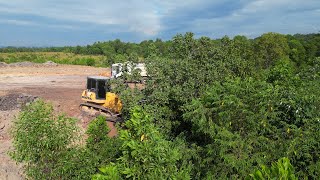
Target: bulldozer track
[{"x": 114, "y": 117}]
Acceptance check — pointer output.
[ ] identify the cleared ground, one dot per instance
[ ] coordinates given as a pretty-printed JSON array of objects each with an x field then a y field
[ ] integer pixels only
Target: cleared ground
[{"x": 62, "y": 85}]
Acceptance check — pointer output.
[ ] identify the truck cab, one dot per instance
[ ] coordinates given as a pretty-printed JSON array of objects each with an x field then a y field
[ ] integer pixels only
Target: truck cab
[{"x": 118, "y": 68}]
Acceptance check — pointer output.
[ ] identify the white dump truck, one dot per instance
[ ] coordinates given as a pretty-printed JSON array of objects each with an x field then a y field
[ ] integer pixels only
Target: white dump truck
[{"x": 118, "y": 68}]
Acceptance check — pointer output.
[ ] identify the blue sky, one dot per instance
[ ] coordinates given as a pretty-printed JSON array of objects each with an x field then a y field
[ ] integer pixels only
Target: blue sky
[{"x": 80, "y": 22}]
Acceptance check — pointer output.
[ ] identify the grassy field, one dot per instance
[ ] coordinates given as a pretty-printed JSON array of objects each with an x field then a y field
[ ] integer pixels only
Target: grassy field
[{"x": 57, "y": 57}]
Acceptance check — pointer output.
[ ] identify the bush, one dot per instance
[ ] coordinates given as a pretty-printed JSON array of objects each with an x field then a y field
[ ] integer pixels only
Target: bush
[
  {"x": 145, "y": 153},
  {"x": 41, "y": 139},
  {"x": 90, "y": 62},
  {"x": 280, "y": 170},
  {"x": 106, "y": 149},
  {"x": 48, "y": 145}
]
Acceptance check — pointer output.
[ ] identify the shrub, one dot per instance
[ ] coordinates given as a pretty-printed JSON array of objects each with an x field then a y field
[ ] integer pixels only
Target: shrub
[
  {"x": 90, "y": 62},
  {"x": 48, "y": 145},
  {"x": 106, "y": 149},
  {"x": 280, "y": 170},
  {"x": 145, "y": 153},
  {"x": 41, "y": 139}
]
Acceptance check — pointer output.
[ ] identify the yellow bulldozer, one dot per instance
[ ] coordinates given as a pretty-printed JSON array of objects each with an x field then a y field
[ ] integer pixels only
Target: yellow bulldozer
[{"x": 100, "y": 100}]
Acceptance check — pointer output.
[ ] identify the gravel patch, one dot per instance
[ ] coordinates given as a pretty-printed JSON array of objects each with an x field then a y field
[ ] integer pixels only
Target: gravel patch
[{"x": 15, "y": 101}]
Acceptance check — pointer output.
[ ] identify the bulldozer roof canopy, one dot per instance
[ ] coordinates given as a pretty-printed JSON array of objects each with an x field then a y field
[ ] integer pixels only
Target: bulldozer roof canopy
[{"x": 98, "y": 77}]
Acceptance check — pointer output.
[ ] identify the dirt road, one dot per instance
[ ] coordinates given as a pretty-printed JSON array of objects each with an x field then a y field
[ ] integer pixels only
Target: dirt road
[{"x": 62, "y": 85}]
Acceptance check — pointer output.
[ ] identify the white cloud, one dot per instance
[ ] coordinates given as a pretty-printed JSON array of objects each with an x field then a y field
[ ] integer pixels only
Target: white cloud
[
  {"x": 33, "y": 23},
  {"x": 260, "y": 16},
  {"x": 18, "y": 22},
  {"x": 135, "y": 16},
  {"x": 160, "y": 17}
]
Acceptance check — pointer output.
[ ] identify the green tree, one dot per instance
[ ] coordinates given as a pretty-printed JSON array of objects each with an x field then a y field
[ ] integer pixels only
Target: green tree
[
  {"x": 41, "y": 139},
  {"x": 271, "y": 47},
  {"x": 297, "y": 52},
  {"x": 146, "y": 154},
  {"x": 105, "y": 149}
]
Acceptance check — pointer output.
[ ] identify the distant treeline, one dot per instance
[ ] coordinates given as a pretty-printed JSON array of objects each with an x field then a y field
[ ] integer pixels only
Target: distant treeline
[{"x": 303, "y": 45}]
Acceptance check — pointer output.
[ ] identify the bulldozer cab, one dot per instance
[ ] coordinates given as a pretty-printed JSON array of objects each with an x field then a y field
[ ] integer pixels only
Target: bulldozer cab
[{"x": 100, "y": 85}]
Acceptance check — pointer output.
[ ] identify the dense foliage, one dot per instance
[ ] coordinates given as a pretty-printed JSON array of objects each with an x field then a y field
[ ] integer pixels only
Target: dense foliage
[
  {"x": 280, "y": 170},
  {"x": 211, "y": 109},
  {"x": 50, "y": 148},
  {"x": 145, "y": 153}
]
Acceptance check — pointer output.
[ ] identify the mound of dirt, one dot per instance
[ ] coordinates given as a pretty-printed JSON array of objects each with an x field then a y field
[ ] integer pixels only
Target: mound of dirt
[
  {"x": 50, "y": 63},
  {"x": 3, "y": 64},
  {"x": 23, "y": 64},
  {"x": 28, "y": 64},
  {"x": 15, "y": 101}
]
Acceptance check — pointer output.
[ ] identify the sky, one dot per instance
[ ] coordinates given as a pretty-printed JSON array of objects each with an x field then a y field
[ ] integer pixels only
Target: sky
[{"x": 82, "y": 22}]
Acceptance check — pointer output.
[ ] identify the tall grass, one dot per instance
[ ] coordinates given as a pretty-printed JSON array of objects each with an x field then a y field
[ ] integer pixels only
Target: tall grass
[{"x": 57, "y": 57}]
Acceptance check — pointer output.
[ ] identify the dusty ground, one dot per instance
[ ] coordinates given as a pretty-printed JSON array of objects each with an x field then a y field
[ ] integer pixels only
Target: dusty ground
[{"x": 62, "y": 85}]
